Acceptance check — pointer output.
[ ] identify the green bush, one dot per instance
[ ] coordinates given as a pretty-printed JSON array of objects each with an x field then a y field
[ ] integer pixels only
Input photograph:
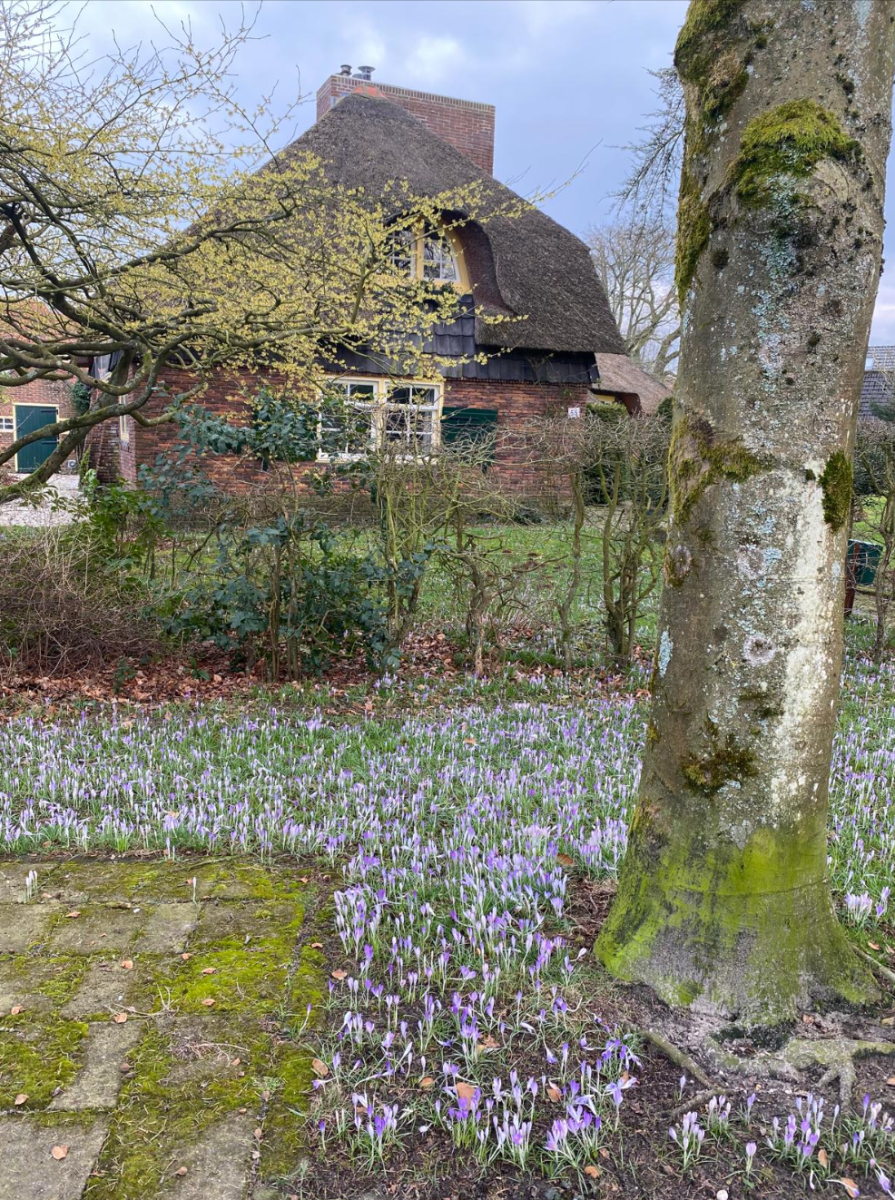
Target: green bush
[{"x": 287, "y": 594}]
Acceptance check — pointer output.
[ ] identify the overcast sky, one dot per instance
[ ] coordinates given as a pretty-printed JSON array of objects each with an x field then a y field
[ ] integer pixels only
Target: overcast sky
[{"x": 569, "y": 78}]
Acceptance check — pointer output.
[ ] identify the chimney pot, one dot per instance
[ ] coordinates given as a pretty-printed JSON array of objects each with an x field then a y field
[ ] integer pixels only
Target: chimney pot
[
  {"x": 365, "y": 72},
  {"x": 345, "y": 69}
]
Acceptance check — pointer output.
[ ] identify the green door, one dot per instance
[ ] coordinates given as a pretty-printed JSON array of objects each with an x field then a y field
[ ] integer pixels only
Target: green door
[{"x": 28, "y": 418}]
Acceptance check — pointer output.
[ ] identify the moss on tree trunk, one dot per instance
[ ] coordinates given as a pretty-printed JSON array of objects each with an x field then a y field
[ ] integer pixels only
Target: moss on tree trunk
[{"x": 724, "y": 902}]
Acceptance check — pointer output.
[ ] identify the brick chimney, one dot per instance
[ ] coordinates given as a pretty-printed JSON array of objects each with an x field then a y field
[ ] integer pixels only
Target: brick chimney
[{"x": 467, "y": 125}]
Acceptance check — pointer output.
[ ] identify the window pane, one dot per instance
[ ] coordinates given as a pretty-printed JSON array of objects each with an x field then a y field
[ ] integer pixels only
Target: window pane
[
  {"x": 409, "y": 426},
  {"x": 346, "y": 417},
  {"x": 401, "y": 252},
  {"x": 438, "y": 259}
]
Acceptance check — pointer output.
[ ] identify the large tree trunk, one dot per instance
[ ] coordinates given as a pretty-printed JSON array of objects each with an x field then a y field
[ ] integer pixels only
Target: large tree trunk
[{"x": 724, "y": 901}]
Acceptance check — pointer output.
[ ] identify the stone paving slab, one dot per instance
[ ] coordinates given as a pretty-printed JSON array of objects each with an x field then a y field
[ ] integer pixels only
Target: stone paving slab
[
  {"x": 96, "y": 931},
  {"x": 13, "y": 878},
  {"x": 22, "y": 925},
  {"x": 251, "y": 919},
  {"x": 219, "y": 1163},
  {"x": 167, "y": 929},
  {"x": 28, "y": 983},
  {"x": 28, "y": 1170},
  {"x": 105, "y": 989},
  {"x": 204, "y": 978},
  {"x": 99, "y": 1081}
]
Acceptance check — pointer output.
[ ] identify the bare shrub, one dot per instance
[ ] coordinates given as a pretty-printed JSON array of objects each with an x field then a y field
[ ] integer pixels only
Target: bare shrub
[{"x": 61, "y": 609}]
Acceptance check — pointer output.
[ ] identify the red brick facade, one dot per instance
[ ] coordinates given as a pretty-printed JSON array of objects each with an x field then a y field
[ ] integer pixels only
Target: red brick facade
[
  {"x": 41, "y": 392},
  {"x": 465, "y": 124},
  {"x": 517, "y": 465}
]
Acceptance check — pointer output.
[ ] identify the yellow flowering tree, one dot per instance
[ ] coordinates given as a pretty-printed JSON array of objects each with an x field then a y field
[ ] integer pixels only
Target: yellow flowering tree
[{"x": 147, "y": 223}]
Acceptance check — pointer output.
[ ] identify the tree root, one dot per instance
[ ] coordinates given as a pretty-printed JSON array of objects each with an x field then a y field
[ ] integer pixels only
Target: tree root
[
  {"x": 683, "y": 1060},
  {"x": 837, "y": 1055},
  {"x": 878, "y": 966}
]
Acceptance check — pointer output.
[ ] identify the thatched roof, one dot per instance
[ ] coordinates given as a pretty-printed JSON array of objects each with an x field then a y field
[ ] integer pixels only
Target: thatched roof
[
  {"x": 527, "y": 266},
  {"x": 621, "y": 375}
]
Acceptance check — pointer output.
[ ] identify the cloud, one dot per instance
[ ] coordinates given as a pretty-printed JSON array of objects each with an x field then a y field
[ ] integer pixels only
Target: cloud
[{"x": 432, "y": 59}]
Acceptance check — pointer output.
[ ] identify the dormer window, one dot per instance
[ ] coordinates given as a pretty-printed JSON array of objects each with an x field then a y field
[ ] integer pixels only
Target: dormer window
[{"x": 428, "y": 255}]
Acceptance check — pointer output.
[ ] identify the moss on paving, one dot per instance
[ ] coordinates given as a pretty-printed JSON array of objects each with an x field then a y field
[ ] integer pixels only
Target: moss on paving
[
  {"x": 37, "y": 1056},
  {"x": 262, "y": 980}
]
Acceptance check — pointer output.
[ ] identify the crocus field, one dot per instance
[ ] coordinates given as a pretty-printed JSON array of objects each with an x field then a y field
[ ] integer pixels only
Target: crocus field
[{"x": 458, "y": 1007}]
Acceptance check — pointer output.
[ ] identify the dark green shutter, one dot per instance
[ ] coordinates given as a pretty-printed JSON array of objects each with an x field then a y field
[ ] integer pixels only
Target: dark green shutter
[{"x": 468, "y": 426}]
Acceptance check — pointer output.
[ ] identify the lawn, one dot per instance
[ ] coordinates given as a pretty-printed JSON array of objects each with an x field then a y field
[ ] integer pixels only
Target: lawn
[{"x": 467, "y": 847}]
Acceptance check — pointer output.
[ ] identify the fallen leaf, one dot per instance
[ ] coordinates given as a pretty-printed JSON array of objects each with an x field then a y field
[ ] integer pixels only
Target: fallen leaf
[
  {"x": 851, "y": 1187},
  {"x": 120, "y": 1018},
  {"x": 554, "y": 1093},
  {"x": 466, "y": 1091},
  {"x": 604, "y": 1153},
  {"x": 565, "y": 860},
  {"x": 891, "y": 1081},
  {"x": 181, "y": 1171},
  {"x": 592, "y": 1171},
  {"x": 59, "y": 1152},
  {"x": 16, "y": 1009},
  {"x": 888, "y": 1021},
  {"x": 243, "y": 1110},
  {"x": 125, "y": 1067},
  {"x": 873, "y": 945},
  {"x": 20, "y": 1099},
  {"x": 259, "y": 1134},
  {"x": 340, "y": 974},
  {"x": 209, "y": 970},
  {"x": 75, "y": 912},
  {"x": 209, "y": 1002},
  {"x": 316, "y": 945},
  {"x": 320, "y": 1067},
  {"x": 186, "y": 957},
  {"x": 127, "y": 964},
  {"x": 822, "y": 1158},
  {"x": 488, "y": 1044},
  {"x": 236, "y": 1063},
  {"x": 427, "y": 1083}
]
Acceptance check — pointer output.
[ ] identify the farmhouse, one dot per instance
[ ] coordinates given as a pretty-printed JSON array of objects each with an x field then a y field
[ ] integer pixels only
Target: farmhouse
[{"x": 542, "y": 359}]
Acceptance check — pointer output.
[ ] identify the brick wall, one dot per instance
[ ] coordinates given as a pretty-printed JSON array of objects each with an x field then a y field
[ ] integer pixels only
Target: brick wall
[
  {"x": 466, "y": 124},
  {"x": 42, "y": 392},
  {"x": 518, "y": 466}
]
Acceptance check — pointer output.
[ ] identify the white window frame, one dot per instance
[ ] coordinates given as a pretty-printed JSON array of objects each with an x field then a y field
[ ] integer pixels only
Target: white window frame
[
  {"x": 382, "y": 405},
  {"x": 7, "y": 425},
  {"x": 124, "y": 432}
]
